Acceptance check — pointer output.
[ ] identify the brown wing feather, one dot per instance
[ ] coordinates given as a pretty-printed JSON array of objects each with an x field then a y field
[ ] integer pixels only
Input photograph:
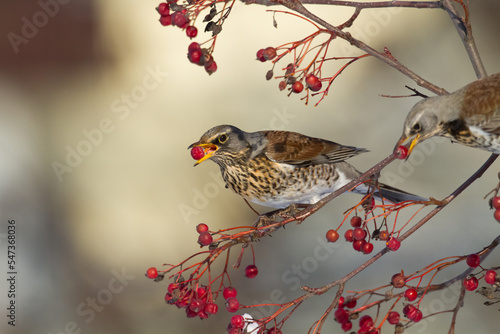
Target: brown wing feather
[
  {"x": 295, "y": 148},
  {"x": 481, "y": 105}
]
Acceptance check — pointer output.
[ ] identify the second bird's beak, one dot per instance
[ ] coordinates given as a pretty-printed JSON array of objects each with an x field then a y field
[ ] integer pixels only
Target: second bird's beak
[
  {"x": 413, "y": 143},
  {"x": 208, "y": 149}
]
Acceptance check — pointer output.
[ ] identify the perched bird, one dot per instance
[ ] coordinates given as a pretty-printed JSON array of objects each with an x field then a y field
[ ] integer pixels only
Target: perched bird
[
  {"x": 470, "y": 116},
  {"x": 280, "y": 168}
]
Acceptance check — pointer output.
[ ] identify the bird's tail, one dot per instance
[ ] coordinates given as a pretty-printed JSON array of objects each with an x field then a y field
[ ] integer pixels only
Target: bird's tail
[
  {"x": 389, "y": 193},
  {"x": 396, "y": 195}
]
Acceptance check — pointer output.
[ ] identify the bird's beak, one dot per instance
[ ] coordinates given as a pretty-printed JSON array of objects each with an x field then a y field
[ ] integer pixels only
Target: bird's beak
[
  {"x": 208, "y": 149},
  {"x": 404, "y": 139}
]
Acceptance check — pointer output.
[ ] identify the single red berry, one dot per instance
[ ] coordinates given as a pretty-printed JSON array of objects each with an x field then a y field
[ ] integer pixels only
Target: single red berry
[
  {"x": 471, "y": 283},
  {"x": 311, "y": 79},
  {"x": 169, "y": 298},
  {"x": 358, "y": 244},
  {"x": 473, "y": 260},
  {"x": 197, "y": 153},
  {"x": 495, "y": 202},
  {"x": 348, "y": 235},
  {"x": 269, "y": 53},
  {"x": 351, "y": 303},
  {"x": 195, "y": 56},
  {"x": 237, "y": 321},
  {"x": 393, "y": 317},
  {"x": 367, "y": 248},
  {"x": 346, "y": 326},
  {"x": 194, "y": 46},
  {"x": 313, "y": 82},
  {"x": 163, "y": 9},
  {"x": 341, "y": 315},
  {"x": 205, "y": 238},
  {"x": 166, "y": 20},
  {"x": 383, "y": 235},
  {"x": 297, "y": 87},
  {"x": 497, "y": 215},
  {"x": 365, "y": 322},
  {"x": 179, "y": 19},
  {"x": 332, "y": 236},
  {"x": 251, "y": 271},
  {"x": 401, "y": 152},
  {"x": 201, "y": 228},
  {"x": 398, "y": 280},
  {"x": 490, "y": 276},
  {"x": 341, "y": 302},
  {"x": 260, "y": 55},
  {"x": 203, "y": 315},
  {"x": 393, "y": 244},
  {"x": 358, "y": 233},
  {"x": 172, "y": 287},
  {"x": 211, "y": 308},
  {"x": 211, "y": 67},
  {"x": 190, "y": 313},
  {"x": 416, "y": 316},
  {"x": 229, "y": 292},
  {"x": 197, "y": 305},
  {"x": 191, "y": 31},
  {"x": 152, "y": 272},
  {"x": 232, "y": 304},
  {"x": 201, "y": 292},
  {"x": 409, "y": 311},
  {"x": 411, "y": 294},
  {"x": 356, "y": 221}
]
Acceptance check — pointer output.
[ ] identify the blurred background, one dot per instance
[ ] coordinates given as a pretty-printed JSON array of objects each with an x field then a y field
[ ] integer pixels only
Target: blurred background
[{"x": 98, "y": 107}]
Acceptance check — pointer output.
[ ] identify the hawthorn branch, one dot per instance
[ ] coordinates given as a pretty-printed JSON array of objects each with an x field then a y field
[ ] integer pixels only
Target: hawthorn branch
[
  {"x": 464, "y": 30},
  {"x": 297, "y": 6}
]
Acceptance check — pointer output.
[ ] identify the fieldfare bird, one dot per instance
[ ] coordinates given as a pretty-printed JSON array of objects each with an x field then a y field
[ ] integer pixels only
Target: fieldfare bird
[
  {"x": 280, "y": 168},
  {"x": 469, "y": 116}
]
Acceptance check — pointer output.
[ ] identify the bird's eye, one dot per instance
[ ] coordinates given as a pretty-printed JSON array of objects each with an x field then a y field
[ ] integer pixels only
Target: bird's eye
[
  {"x": 416, "y": 127},
  {"x": 222, "y": 138}
]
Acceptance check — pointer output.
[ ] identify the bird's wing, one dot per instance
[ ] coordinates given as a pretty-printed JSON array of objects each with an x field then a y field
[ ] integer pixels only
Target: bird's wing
[
  {"x": 297, "y": 149},
  {"x": 481, "y": 105}
]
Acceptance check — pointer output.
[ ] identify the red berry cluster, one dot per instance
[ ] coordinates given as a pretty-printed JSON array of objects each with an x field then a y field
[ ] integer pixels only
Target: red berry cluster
[
  {"x": 232, "y": 304},
  {"x": 471, "y": 282},
  {"x": 412, "y": 312},
  {"x": 495, "y": 204},
  {"x": 197, "y": 301},
  {"x": 202, "y": 57},
  {"x": 205, "y": 238},
  {"x": 172, "y": 13},
  {"x": 359, "y": 236},
  {"x": 178, "y": 17},
  {"x": 343, "y": 316}
]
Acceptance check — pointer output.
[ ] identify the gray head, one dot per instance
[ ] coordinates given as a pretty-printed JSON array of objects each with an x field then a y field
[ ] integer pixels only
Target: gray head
[
  {"x": 428, "y": 118},
  {"x": 222, "y": 142}
]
